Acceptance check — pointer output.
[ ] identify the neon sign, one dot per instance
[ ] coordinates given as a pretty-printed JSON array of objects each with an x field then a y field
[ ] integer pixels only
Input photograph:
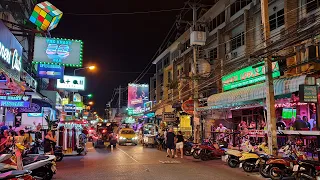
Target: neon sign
[
  {"x": 58, "y": 50},
  {"x": 11, "y": 57},
  {"x": 15, "y": 101},
  {"x": 247, "y": 76}
]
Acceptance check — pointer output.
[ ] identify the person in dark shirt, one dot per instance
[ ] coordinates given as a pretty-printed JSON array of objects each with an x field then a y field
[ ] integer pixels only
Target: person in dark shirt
[
  {"x": 280, "y": 124},
  {"x": 170, "y": 143},
  {"x": 305, "y": 119},
  {"x": 299, "y": 124},
  {"x": 179, "y": 144}
]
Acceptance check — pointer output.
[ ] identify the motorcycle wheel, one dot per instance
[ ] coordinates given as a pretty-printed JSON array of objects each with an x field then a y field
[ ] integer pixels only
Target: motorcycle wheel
[
  {"x": 59, "y": 157},
  {"x": 204, "y": 156},
  {"x": 275, "y": 173},
  {"x": 233, "y": 163},
  {"x": 187, "y": 152},
  {"x": 247, "y": 167},
  {"x": 263, "y": 171},
  {"x": 196, "y": 155},
  {"x": 43, "y": 173}
]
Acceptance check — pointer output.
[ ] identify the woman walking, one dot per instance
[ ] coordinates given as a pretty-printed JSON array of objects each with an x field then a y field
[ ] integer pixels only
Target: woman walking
[{"x": 179, "y": 144}]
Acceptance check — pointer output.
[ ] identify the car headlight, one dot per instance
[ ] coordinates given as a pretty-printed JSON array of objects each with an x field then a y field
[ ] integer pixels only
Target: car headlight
[
  {"x": 122, "y": 137},
  {"x": 135, "y": 138}
]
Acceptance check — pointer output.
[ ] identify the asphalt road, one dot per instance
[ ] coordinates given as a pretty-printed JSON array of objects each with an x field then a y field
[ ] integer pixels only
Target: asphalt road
[{"x": 139, "y": 163}]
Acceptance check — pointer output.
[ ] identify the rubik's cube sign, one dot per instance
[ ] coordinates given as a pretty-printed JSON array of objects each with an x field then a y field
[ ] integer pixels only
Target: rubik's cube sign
[{"x": 45, "y": 16}]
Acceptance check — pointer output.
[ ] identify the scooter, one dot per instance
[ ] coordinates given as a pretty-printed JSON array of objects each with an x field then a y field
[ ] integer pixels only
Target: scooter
[
  {"x": 17, "y": 175},
  {"x": 210, "y": 152},
  {"x": 42, "y": 166},
  {"x": 251, "y": 161},
  {"x": 307, "y": 170},
  {"x": 283, "y": 167},
  {"x": 36, "y": 146},
  {"x": 187, "y": 148}
]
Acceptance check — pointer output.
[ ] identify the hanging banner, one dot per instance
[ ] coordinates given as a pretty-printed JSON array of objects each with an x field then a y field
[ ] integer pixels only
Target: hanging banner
[{"x": 138, "y": 94}]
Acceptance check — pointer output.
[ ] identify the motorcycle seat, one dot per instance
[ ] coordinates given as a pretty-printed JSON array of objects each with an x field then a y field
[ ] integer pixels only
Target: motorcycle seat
[
  {"x": 316, "y": 163},
  {"x": 32, "y": 159},
  {"x": 13, "y": 174}
]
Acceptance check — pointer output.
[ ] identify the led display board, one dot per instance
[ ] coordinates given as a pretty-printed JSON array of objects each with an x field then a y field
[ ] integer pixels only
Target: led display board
[
  {"x": 138, "y": 94},
  {"x": 51, "y": 71},
  {"x": 58, "y": 51}
]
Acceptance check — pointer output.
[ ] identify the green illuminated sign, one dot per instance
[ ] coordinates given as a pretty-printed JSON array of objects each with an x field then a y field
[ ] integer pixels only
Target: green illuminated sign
[{"x": 247, "y": 76}]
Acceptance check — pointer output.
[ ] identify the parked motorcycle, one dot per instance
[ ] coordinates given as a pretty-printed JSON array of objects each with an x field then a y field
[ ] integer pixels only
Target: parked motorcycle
[
  {"x": 187, "y": 148},
  {"x": 42, "y": 166},
  {"x": 196, "y": 151},
  {"x": 35, "y": 148},
  {"x": 283, "y": 167},
  {"x": 307, "y": 170},
  {"x": 251, "y": 161},
  {"x": 16, "y": 175},
  {"x": 210, "y": 152}
]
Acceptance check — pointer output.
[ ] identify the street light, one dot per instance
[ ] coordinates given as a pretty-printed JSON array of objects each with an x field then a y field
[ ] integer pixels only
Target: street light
[
  {"x": 90, "y": 103},
  {"x": 74, "y": 74},
  {"x": 90, "y": 95}
]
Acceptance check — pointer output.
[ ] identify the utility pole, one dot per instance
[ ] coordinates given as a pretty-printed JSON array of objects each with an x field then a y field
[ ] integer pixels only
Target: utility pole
[
  {"x": 271, "y": 112},
  {"x": 196, "y": 120},
  {"x": 119, "y": 101}
]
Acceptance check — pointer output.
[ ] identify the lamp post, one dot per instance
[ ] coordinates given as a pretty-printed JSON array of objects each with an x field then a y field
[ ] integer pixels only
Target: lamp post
[{"x": 74, "y": 74}]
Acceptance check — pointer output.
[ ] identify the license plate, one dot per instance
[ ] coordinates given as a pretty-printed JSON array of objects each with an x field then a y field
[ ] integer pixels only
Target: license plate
[
  {"x": 240, "y": 165},
  {"x": 258, "y": 161},
  {"x": 295, "y": 168},
  {"x": 128, "y": 141},
  {"x": 128, "y": 144}
]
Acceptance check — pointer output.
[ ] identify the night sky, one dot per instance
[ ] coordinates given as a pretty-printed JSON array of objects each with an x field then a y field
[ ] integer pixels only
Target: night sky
[{"x": 115, "y": 43}]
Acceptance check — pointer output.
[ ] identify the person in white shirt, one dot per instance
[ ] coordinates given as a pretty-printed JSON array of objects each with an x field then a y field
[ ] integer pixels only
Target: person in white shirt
[
  {"x": 313, "y": 121},
  {"x": 221, "y": 129}
]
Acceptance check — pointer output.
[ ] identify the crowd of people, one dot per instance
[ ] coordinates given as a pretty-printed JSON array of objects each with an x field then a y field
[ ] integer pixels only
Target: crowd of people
[{"x": 297, "y": 123}]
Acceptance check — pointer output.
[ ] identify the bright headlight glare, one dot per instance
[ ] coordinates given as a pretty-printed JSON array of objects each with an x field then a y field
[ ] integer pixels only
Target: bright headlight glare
[
  {"x": 135, "y": 138},
  {"x": 122, "y": 138}
]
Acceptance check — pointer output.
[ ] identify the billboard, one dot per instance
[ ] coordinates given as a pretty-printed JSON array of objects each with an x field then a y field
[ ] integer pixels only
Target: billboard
[
  {"x": 58, "y": 51},
  {"x": 138, "y": 94},
  {"x": 15, "y": 101},
  {"x": 71, "y": 82},
  {"x": 10, "y": 52},
  {"x": 51, "y": 71}
]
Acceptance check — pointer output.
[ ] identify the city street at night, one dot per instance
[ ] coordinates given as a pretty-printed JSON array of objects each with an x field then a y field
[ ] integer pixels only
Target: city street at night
[{"x": 137, "y": 162}]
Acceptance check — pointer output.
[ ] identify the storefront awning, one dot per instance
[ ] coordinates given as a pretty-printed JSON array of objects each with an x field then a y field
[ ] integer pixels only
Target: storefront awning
[{"x": 255, "y": 92}]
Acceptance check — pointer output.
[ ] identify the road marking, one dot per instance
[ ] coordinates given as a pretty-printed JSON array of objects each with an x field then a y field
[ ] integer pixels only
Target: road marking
[
  {"x": 145, "y": 168},
  {"x": 128, "y": 155},
  {"x": 170, "y": 162}
]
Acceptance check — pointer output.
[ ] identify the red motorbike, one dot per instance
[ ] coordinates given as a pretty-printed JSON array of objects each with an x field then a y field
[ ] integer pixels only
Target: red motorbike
[{"x": 209, "y": 152}]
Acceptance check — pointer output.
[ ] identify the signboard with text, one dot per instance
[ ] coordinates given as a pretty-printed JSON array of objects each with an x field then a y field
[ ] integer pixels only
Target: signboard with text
[
  {"x": 10, "y": 53},
  {"x": 15, "y": 101},
  {"x": 51, "y": 71},
  {"x": 308, "y": 93},
  {"x": 247, "y": 76},
  {"x": 58, "y": 51},
  {"x": 148, "y": 106},
  {"x": 69, "y": 108},
  {"x": 71, "y": 82},
  {"x": 169, "y": 117}
]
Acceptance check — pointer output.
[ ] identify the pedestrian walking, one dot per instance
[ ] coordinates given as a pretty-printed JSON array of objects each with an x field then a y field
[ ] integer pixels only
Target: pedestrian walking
[
  {"x": 170, "y": 143},
  {"x": 83, "y": 140},
  {"x": 179, "y": 144}
]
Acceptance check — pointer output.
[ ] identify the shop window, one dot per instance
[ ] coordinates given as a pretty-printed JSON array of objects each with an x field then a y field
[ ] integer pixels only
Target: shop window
[
  {"x": 237, "y": 41},
  {"x": 276, "y": 20},
  {"x": 312, "y": 52},
  {"x": 159, "y": 66},
  {"x": 238, "y": 5},
  {"x": 312, "y": 5},
  {"x": 166, "y": 61},
  {"x": 169, "y": 77}
]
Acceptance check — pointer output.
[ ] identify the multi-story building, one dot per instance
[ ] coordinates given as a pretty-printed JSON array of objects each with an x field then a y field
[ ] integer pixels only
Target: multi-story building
[{"x": 235, "y": 35}]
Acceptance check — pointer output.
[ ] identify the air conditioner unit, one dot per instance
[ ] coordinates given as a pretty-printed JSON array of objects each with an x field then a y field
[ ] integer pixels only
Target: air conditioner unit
[{"x": 198, "y": 38}]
